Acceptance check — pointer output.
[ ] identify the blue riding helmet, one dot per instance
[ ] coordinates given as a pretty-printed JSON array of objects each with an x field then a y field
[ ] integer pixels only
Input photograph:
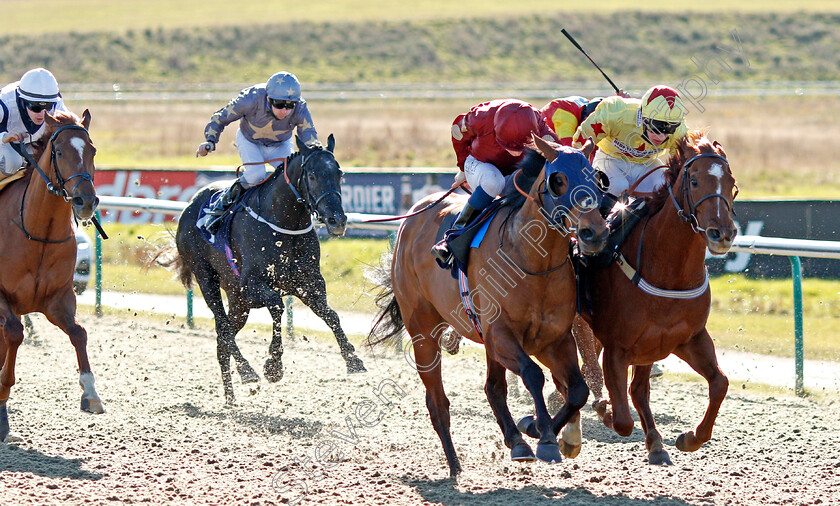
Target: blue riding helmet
[
  {"x": 283, "y": 86},
  {"x": 586, "y": 186}
]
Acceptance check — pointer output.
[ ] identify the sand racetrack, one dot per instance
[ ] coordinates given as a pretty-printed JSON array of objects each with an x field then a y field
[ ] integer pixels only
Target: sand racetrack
[{"x": 167, "y": 436}]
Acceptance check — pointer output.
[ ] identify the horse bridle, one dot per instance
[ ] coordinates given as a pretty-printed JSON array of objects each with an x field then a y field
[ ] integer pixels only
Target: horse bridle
[
  {"x": 690, "y": 217},
  {"x": 307, "y": 202},
  {"x": 58, "y": 189}
]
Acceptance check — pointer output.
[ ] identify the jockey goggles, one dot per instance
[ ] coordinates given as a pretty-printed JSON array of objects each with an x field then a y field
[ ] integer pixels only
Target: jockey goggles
[
  {"x": 37, "y": 107},
  {"x": 282, "y": 104},
  {"x": 661, "y": 127}
]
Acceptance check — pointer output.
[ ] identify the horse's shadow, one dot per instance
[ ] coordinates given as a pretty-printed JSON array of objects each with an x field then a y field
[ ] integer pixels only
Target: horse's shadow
[
  {"x": 24, "y": 460},
  {"x": 444, "y": 491},
  {"x": 296, "y": 427}
]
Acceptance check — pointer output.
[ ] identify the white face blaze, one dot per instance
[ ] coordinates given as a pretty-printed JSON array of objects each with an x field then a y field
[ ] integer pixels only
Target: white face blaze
[
  {"x": 79, "y": 144},
  {"x": 717, "y": 171}
]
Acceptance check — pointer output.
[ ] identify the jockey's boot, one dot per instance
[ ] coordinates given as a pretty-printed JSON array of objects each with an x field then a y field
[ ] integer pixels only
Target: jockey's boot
[
  {"x": 441, "y": 249},
  {"x": 222, "y": 205}
]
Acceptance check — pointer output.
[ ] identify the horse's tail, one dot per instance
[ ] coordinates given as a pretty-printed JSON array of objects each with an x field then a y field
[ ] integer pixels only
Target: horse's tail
[
  {"x": 168, "y": 256},
  {"x": 388, "y": 326}
]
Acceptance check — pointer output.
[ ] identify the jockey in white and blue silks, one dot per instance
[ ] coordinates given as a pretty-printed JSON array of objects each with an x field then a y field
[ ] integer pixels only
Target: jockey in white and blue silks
[
  {"x": 23, "y": 108},
  {"x": 268, "y": 114}
]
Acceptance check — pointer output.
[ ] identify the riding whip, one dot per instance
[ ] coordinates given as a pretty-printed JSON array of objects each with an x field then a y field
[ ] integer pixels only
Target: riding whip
[{"x": 573, "y": 41}]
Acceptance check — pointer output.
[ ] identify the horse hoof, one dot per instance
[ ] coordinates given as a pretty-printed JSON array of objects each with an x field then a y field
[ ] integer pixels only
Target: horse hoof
[
  {"x": 521, "y": 452},
  {"x": 549, "y": 452},
  {"x": 12, "y": 438},
  {"x": 568, "y": 450},
  {"x": 355, "y": 365},
  {"x": 660, "y": 458},
  {"x": 273, "y": 370},
  {"x": 527, "y": 426},
  {"x": 247, "y": 374},
  {"x": 600, "y": 407},
  {"x": 92, "y": 406},
  {"x": 688, "y": 442}
]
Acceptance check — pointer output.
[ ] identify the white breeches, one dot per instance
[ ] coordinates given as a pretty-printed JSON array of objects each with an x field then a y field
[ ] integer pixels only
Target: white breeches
[
  {"x": 251, "y": 152},
  {"x": 623, "y": 174},
  {"x": 485, "y": 175}
]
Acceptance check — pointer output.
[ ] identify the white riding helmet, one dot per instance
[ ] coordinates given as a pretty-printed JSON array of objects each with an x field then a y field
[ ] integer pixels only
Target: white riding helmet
[
  {"x": 283, "y": 86},
  {"x": 38, "y": 85}
]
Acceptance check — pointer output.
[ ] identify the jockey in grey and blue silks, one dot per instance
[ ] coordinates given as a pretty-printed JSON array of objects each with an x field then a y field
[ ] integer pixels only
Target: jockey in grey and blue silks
[{"x": 257, "y": 123}]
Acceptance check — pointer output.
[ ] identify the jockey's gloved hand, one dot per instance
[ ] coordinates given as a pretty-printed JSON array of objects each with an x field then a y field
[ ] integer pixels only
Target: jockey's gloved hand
[
  {"x": 460, "y": 178},
  {"x": 7, "y": 138},
  {"x": 204, "y": 148}
]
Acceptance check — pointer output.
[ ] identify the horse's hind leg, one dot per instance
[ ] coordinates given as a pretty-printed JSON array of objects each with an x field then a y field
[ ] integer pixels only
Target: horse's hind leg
[
  {"x": 61, "y": 312},
  {"x": 640, "y": 394},
  {"x": 496, "y": 390},
  {"x": 273, "y": 369},
  {"x": 427, "y": 356},
  {"x": 208, "y": 282},
  {"x": 11, "y": 337},
  {"x": 237, "y": 317},
  {"x": 314, "y": 295},
  {"x": 699, "y": 353}
]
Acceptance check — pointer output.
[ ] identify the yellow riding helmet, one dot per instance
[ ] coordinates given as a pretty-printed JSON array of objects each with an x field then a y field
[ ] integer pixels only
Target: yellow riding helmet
[{"x": 663, "y": 103}]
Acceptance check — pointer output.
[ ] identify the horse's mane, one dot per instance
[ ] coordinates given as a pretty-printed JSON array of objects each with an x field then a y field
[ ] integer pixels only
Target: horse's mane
[
  {"x": 532, "y": 162},
  {"x": 694, "y": 139}
]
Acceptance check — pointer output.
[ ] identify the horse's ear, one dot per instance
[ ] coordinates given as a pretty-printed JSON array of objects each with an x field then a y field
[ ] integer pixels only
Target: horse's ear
[
  {"x": 302, "y": 147},
  {"x": 545, "y": 148},
  {"x": 718, "y": 147},
  {"x": 86, "y": 119},
  {"x": 330, "y": 143},
  {"x": 50, "y": 120}
]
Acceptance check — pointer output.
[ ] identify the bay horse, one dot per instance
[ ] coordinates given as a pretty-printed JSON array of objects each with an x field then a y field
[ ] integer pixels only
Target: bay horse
[
  {"x": 665, "y": 309},
  {"x": 39, "y": 248},
  {"x": 524, "y": 293},
  {"x": 276, "y": 251}
]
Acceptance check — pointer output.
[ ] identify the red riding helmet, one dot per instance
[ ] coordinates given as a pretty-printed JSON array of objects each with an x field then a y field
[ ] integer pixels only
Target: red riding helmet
[{"x": 514, "y": 123}]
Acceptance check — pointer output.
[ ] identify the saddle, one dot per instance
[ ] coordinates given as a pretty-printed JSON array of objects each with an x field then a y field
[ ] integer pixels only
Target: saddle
[
  {"x": 221, "y": 239},
  {"x": 4, "y": 180}
]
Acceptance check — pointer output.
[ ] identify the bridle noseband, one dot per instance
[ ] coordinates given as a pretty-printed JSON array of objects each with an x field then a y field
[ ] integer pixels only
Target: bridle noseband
[{"x": 691, "y": 217}]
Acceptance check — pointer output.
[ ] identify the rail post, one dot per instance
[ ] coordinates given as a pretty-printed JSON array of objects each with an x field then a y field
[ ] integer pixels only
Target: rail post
[
  {"x": 799, "y": 352},
  {"x": 190, "y": 319},
  {"x": 98, "y": 259}
]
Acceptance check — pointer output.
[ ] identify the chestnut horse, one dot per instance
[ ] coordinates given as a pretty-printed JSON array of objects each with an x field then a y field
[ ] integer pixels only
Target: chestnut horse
[
  {"x": 665, "y": 311},
  {"x": 524, "y": 293},
  {"x": 39, "y": 248}
]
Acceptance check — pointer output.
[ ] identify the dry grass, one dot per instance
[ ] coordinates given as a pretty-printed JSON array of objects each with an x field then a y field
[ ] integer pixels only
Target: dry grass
[{"x": 777, "y": 146}]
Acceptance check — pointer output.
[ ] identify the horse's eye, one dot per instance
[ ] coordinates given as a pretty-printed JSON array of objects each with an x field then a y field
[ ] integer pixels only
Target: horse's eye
[
  {"x": 312, "y": 177},
  {"x": 58, "y": 153},
  {"x": 694, "y": 182}
]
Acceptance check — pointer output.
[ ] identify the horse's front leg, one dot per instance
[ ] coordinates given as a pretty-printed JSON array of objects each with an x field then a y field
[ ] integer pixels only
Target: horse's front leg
[
  {"x": 11, "y": 337},
  {"x": 496, "y": 390},
  {"x": 699, "y": 353},
  {"x": 237, "y": 317},
  {"x": 314, "y": 295},
  {"x": 640, "y": 393},
  {"x": 616, "y": 415},
  {"x": 504, "y": 348},
  {"x": 61, "y": 312}
]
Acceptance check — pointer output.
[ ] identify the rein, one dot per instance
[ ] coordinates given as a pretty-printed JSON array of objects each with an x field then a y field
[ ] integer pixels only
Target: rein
[
  {"x": 415, "y": 213},
  {"x": 58, "y": 190}
]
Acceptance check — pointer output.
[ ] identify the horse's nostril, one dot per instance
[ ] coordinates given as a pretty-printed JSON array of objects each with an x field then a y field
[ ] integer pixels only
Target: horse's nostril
[
  {"x": 586, "y": 234},
  {"x": 332, "y": 221},
  {"x": 78, "y": 201},
  {"x": 713, "y": 234}
]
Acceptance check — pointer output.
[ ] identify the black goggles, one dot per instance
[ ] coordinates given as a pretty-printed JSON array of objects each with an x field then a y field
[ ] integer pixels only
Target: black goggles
[
  {"x": 37, "y": 107},
  {"x": 282, "y": 104},
  {"x": 662, "y": 127}
]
